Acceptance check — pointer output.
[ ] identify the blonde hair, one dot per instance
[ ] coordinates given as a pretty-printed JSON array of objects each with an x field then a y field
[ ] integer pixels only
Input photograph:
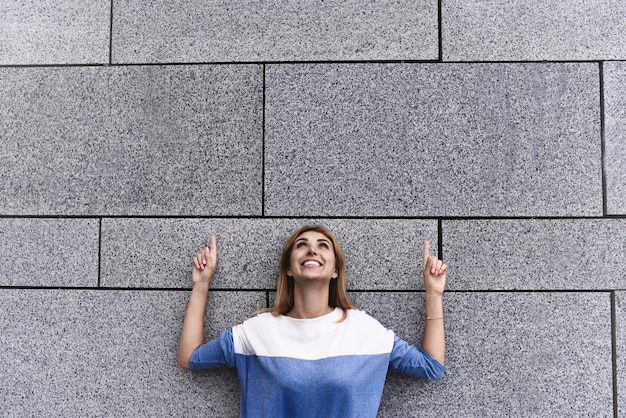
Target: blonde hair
[{"x": 337, "y": 296}]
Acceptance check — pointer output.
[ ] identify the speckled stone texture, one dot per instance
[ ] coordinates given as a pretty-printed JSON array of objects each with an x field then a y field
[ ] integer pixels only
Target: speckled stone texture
[
  {"x": 574, "y": 254},
  {"x": 620, "y": 311},
  {"x": 218, "y": 31},
  {"x": 512, "y": 30},
  {"x": 110, "y": 353},
  {"x": 157, "y": 253},
  {"x": 524, "y": 355},
  {"x": 157, "y": 140},
  {"x": 615, "y": 136},
  {"x": 49, "y": 252},
  {"x": 54, "y": 32},
  {"x": 433, "y": 140}
]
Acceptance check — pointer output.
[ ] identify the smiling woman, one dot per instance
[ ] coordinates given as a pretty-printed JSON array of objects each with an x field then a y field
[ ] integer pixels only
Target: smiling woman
[
  {"x": 299, "y": 294},
  {"x": 313, "y": 354}
]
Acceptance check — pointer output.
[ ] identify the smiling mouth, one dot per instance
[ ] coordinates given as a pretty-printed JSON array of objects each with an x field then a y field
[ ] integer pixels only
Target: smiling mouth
[{"x": 311, "y": 263}]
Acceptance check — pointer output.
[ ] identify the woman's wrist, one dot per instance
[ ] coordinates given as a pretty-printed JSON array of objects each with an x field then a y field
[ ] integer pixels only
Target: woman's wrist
[
  {"x": 200, "y": 286},
  {"x": 434, "y": 305},
  {"x": 433, "y": 294}
]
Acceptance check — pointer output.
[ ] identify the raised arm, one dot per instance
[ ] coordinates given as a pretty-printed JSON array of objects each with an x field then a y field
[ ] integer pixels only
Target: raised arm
[
  {"x": 192, "y": 334},
  {"x": 434, "y": 272}
]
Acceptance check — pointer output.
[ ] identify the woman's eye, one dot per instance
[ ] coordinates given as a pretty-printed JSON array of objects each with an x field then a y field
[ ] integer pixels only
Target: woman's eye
[
  {"x": 324, "y": 245},
  {"x": 300, "y": 245}
]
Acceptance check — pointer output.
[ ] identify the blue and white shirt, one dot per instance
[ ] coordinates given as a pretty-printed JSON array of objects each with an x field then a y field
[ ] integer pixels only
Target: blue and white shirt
[{"x": 316, "y": 367}]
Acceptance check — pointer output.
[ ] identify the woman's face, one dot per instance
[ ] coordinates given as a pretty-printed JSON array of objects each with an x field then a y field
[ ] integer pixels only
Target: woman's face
[{"x": 312, "y": 257}]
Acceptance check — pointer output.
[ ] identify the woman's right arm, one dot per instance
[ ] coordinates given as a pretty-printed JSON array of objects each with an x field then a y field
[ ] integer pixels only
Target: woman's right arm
[{"x": 192, "y": 334}]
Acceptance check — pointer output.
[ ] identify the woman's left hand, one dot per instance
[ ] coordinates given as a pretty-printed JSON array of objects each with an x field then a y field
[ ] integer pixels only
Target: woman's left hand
[{"x": 434, "y": 272}]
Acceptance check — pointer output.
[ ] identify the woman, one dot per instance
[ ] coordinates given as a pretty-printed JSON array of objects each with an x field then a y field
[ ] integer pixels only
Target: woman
[{"x": 313, "y": 354}]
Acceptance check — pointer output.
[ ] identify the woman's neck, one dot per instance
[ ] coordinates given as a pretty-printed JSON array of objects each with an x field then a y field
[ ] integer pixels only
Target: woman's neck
[{"x": 310, "y": 302}]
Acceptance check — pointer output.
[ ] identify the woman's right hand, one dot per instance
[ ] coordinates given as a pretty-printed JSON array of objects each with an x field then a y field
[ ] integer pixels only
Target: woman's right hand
[
  {"x": 434, "y": 272},
  {"x": 204, "y": 264}
]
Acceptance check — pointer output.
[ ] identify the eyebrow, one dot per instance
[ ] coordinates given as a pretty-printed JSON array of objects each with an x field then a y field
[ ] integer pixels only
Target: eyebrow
[{"x": 319, "y": 240}]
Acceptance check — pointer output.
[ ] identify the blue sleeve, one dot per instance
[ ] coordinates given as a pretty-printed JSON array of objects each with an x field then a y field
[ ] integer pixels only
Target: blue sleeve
[
  {"x": 214, "y": 354},
  {"x": 407, "y": 359}
]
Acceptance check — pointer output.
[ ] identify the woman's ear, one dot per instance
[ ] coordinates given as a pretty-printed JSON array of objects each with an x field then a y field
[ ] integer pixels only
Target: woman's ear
[{"x": 335, "y": 274}]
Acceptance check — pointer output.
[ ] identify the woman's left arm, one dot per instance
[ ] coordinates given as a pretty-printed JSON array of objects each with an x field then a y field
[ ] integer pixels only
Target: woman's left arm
[{"x": 434, "y": 272}]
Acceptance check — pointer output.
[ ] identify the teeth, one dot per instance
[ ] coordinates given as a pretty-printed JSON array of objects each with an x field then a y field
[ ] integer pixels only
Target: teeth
[{"x": 312, "y": 263}]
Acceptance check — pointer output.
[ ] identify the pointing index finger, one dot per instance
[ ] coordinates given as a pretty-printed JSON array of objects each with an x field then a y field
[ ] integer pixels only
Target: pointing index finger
[
  {"x": 425, "y": 254},
  {"x": 213, "y": 246}
]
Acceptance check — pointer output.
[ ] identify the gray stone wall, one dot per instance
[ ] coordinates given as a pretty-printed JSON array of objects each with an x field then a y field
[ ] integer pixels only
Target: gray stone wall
[{"x": 131, "y": 131}]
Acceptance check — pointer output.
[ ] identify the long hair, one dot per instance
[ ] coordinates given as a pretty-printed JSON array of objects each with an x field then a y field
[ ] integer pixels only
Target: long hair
[{"x": 337, "y": 296}]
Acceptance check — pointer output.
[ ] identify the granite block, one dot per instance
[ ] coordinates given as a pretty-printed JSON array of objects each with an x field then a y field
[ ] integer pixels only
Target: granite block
[
  {"x": 433, "y": 140},
  {"x": 110, "y": 353},
  {"x": 506, "y": 30},
  {"x": 136, "y": 140},
  {"x": 615, "y": 136},
  {"x": 54, "y": 32},
  {"x": 49, "y": 252},
  {"x": 157, "y": 253},
  {"x": 538, "y": 254},
  {"x": 252, "y": 31},
  {"x": 620, "y": 336},
  {"x": 516, "y": 354}
]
